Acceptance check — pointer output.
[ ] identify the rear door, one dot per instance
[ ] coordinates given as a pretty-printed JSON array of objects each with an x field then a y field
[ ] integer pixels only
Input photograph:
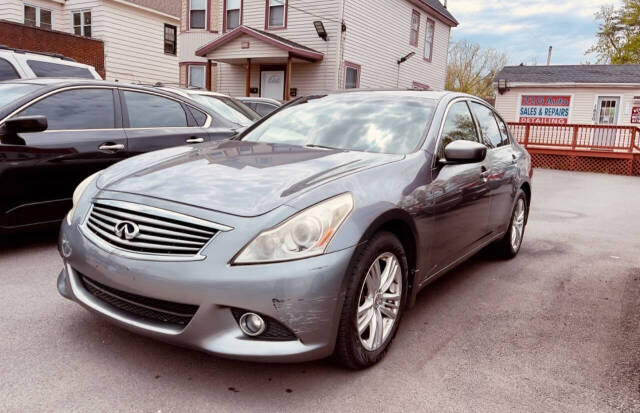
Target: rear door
[
  {"x": 84, "y": 136},
  {"x": 500, "y": 163},
  {"x": 153, "y": 121}
]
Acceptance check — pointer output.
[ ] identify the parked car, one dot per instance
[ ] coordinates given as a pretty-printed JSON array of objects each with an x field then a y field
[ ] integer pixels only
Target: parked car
[
  {"x": 310, "y": 234},
  {"x": 263, "y": 106},
  {"x": 25, "y": 64},
  {"x": 56, "y": 132},
  {"x": 230, "y": 108}
]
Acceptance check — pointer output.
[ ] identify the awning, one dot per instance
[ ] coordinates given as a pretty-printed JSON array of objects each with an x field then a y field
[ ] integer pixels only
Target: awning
[{"x": 248, "y": 43}]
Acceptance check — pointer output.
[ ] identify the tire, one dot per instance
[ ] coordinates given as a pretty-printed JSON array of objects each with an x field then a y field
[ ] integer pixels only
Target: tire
[
  {"x": 506, "y": 247},
  {"x": 359, "y": 349}
]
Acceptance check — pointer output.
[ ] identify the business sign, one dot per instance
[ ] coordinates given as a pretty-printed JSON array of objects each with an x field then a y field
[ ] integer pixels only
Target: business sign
[
  {"x": 545, "y": 109},
  {"x": 635, "y": 114}
]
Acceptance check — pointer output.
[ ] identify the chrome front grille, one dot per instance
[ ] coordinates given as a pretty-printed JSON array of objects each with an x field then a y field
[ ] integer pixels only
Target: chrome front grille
[{"x": 147, "y": 230}]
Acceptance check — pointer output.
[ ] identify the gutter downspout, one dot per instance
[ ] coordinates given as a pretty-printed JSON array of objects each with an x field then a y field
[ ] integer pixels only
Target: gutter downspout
[{"x": 340, "y": 45}]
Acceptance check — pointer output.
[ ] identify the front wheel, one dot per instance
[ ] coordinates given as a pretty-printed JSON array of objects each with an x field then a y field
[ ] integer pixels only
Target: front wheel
[
  {"x": 374, "y": 302},
  {"x": 509, "y": 246}
]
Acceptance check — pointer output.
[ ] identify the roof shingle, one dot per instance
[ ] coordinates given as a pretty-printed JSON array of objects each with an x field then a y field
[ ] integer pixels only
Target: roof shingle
[
  {"x": 171, "y": 7},
  {"x": 571, "y": 74}
]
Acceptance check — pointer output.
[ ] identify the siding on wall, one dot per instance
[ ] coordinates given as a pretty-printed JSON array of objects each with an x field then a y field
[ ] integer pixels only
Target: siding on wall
[
  {"x": 377, "y": 36},
  {"x": 134, "y": 42},
  {"x": 583, "y": 102},
  {"x": 191, "y": 41},
  {"x": 11, "y": 10}
]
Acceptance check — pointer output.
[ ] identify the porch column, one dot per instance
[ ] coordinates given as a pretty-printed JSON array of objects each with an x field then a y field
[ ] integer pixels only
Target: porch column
[
  {"x": 208, "y": 75},
  {"x": 287, "y": 80},
  {"x": 247, "y": 90}
]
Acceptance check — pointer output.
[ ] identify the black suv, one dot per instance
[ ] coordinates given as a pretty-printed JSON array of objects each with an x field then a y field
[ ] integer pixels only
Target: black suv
[{"x": 56, "y": 132}]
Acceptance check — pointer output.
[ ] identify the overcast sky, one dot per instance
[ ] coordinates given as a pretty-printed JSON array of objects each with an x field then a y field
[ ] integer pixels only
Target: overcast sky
[{"x": 525, "y": 29}]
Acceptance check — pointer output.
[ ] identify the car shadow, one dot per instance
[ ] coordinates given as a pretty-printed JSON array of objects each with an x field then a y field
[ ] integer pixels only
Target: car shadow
[
  {"x": 27, "y": 240},
  {"x": 195, "y": 372}
]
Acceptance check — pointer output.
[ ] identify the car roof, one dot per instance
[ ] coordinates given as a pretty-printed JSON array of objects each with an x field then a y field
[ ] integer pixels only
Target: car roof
[
  {"x": 259, "y": 99},
  {"x": 65, "y": 82},
  {"x": 186, "y": 91}
]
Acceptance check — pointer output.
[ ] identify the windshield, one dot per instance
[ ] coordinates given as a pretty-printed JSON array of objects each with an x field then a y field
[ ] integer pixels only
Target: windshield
[
  {"x": 226, "y": 107},
  {"x": 10, "y": 92},
  {"x": 380, "y": 122}
]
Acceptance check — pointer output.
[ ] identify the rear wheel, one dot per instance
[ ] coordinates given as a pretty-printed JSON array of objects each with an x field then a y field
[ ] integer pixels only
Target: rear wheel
[
  {"x": 374, "y": 302},
  {"x": 509, "y": 245}
]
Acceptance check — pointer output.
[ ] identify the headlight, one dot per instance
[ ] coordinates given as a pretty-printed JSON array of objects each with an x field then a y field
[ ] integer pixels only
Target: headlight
[
  {"x": 305, "y": 234},
  {"x": 77, "y": 194}
]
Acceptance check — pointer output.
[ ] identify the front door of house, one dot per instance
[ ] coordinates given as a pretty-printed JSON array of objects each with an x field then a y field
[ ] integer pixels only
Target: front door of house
[
  {"x": 606, "y": 113},
  {"x": 272, "y": 82}
]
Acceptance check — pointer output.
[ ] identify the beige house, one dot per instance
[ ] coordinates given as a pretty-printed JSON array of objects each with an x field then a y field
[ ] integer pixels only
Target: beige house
[
  {"x": 285, "y": 48},
  {"x": 578, "y": 94},
  {"x": 140, "y": 36}
]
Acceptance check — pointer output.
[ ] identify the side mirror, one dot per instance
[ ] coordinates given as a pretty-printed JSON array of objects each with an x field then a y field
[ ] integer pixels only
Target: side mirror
[
  {"x": 26, "y": 124},
  {"x": 462, "y": 151}
]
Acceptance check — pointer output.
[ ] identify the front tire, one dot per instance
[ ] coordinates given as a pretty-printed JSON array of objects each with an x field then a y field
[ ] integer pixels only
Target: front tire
[{"x": 376, "y": 295}]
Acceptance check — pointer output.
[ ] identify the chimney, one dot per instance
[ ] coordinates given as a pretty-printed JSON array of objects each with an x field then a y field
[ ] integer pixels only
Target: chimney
[
  {"x": 549, "y": 56},
  {"x": 445, "y": 4}
]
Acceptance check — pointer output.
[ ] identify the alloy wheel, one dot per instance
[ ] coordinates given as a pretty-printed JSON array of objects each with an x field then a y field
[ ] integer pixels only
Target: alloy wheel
[
  {"x": 379, "y": 302},
  {"x": 517, "y": 225}
]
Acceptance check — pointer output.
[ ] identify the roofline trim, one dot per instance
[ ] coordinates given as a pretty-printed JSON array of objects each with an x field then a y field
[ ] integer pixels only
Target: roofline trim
[
  {"x": 565, "y": 84},
  {"x": 209, "y": 47},
  {"x": 424, "y": 6}
]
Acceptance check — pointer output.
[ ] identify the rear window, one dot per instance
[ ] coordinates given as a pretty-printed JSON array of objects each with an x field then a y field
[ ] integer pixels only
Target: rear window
[
  {"x": 48, "y": 69},
  {"x": 12, "y": 92},
  {"x": 7, "y": 71}
]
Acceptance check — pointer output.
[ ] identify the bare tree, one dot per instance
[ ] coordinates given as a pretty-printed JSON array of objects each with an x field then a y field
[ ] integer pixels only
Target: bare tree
[{"x": 472, "y": 69}]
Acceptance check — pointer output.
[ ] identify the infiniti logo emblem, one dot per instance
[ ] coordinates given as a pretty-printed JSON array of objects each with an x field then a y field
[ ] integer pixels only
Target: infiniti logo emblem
[{"x": 127, "y": 230}]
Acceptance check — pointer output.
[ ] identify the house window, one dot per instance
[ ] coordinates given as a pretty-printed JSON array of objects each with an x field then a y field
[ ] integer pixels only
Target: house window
[
  {"x": 233, "y": 13},
  {"x": 38, "y": 17},
  {"x": 276, "y": 13},
  {"x": 428, "y": 42},
  {"x": 351, "y": 76},
  {"x": 415, "y": 28},
  {"x": 170, "y": 39},
  {"x": 197, "y": 76},
  {"x": 82, "y": 23},
  {"x": 197, "y": 14}
]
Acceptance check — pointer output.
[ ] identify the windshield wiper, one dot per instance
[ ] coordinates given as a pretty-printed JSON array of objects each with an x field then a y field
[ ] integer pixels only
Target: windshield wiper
[{"x": 313, "y": 145}]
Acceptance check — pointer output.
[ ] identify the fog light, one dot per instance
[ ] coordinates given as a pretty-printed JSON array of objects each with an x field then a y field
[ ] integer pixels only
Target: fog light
[{"x": 252, "y": 324}]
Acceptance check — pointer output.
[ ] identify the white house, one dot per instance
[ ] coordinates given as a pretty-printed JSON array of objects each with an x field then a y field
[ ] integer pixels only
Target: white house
[
  {"x": 283, "y": 48},
  {"x": 140, "y": 36}
]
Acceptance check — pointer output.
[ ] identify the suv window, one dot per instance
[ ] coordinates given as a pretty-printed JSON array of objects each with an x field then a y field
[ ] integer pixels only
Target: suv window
[
  {"x": 457, "y": 126},
  {"x": 264, "y": 108},
  {"x": 7, "y": 71},
  {"x": 504, "y": 131},
  {"x": 76, "y": 109},
  {"x": 488, "y": 124},
  {"x": 153, "y": 111},
  {"x": 48, "y": 69}
]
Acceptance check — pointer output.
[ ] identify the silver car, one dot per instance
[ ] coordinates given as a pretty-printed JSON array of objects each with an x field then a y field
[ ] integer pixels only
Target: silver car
[{"x": 307, "y": 236}]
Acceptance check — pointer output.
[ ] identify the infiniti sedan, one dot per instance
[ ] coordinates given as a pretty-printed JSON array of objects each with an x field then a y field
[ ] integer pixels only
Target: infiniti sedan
[{"x": 307, "y": 236}]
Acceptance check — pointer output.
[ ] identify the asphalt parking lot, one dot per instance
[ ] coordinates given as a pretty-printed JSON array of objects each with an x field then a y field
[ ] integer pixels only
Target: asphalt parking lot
[{"x": 556, "y": 329}]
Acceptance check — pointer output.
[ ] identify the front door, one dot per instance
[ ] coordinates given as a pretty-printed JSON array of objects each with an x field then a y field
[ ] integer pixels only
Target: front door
[
  {"x": 607, "y": 110},
  {"x": 272, "y": 82}
]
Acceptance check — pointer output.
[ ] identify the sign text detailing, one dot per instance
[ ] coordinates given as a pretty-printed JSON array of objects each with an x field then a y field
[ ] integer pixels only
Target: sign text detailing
[{"x": 545, "y": 109}]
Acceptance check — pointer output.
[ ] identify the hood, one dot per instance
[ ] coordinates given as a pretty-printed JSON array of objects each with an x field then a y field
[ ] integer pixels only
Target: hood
[{"x": 235, "y": 177}]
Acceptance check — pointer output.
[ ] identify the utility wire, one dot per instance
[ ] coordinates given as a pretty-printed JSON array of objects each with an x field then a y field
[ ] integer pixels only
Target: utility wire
[{"x": 314, "y": 15}]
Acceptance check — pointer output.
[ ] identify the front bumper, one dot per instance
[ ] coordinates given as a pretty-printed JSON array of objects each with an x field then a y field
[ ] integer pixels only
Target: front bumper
[{"x": 306, "y": 296}]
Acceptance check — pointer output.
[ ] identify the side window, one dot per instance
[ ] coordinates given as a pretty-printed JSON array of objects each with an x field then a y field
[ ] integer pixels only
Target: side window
[
  {"x": 151, "y": 111},
  {"x": 7, "y": 71},
  {"x": 48, "y": 69},
  {"x": 76, "y": 109},
  {"x": 457, "y": 126},
  {"x": 504, "y": 131},
  {"x": 200, "y": 117},
  {"x": 488, "y": 124},
  {"x": 264, "y": 109}
]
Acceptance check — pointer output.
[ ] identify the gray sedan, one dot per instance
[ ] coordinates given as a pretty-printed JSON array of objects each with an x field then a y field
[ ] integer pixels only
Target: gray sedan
[{"x": 307, "y": 236}]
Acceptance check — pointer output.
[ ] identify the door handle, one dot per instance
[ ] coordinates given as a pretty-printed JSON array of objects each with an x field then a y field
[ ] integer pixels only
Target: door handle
[
  {"x": 484, "y": 174},
  {"x": 193, "y": 139},
  {"x": 111, "y": 147}
]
